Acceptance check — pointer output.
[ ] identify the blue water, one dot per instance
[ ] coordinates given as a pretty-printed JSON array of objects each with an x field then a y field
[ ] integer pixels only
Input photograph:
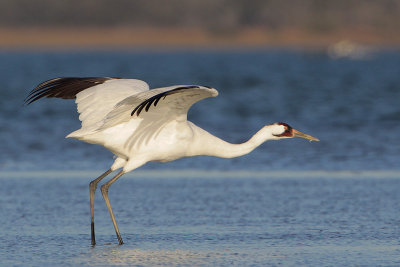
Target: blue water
[
  {"x": 289, "y": 203},
  {"x": 352, "y": 106},
  {"x": 203, "y": 221}
]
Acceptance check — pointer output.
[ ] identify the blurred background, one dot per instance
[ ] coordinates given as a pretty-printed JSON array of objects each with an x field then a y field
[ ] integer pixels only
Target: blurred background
[
  {"x": 227, "y": 23},
  {"x": 328, "y": 68}
]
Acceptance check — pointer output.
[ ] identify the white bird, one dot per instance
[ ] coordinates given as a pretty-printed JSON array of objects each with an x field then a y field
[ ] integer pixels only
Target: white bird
[{"x": 140, "y": 125}]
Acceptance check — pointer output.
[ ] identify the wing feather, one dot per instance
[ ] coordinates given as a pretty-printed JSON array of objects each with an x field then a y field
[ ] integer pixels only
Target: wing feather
[
  {"x": 167, "y": 102},
  {"x": 66, "y": 88},
  {"x": 95, "y": 96},
  {"x": 106, "y": 102}
]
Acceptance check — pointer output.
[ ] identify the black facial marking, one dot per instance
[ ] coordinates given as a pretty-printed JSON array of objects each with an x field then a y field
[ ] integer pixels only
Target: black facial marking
[{"x": 288, "y": 130}]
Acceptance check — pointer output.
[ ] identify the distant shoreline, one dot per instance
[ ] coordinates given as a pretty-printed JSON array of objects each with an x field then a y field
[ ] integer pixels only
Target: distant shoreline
[{"x": 184, "y": 38}]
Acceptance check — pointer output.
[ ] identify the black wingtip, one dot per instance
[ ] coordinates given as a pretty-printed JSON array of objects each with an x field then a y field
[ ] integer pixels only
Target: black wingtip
[{"x": 64, "y": 87}]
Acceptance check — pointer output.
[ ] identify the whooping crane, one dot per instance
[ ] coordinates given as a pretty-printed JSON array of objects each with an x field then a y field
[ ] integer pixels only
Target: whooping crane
[{"x": 140, "y": 125}]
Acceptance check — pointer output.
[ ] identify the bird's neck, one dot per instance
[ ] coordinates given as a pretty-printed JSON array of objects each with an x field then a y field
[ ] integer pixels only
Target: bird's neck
[{"x": 220, "y": 148}]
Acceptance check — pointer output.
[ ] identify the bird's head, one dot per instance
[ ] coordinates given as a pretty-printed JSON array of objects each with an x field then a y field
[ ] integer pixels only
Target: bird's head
[{"x": 282, "y": 130}]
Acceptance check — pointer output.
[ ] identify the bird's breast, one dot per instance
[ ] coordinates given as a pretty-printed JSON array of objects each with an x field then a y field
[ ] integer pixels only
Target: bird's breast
[{"x": 163, "y": 142}]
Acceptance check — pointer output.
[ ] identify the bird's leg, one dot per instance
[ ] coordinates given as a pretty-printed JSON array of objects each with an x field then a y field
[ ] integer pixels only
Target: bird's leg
[
  {"x": 104, "y": 191},
  {"x": 92, "y": 187}
]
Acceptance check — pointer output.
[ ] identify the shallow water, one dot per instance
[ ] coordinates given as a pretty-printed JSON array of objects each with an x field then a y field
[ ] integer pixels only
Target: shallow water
[{"x": 203, "y": 221}]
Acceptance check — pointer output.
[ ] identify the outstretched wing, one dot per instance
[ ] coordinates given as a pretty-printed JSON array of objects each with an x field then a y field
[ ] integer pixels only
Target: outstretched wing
[
  {"x": 168, "y": 103},
  {"x": 66, "y": 88},
  {"x": 95, "y": 96}
]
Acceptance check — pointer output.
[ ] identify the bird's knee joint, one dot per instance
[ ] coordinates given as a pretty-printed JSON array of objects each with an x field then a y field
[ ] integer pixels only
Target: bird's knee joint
[
  {"x": 93, "y": 185},
  {"x": 104, "y": 189}
]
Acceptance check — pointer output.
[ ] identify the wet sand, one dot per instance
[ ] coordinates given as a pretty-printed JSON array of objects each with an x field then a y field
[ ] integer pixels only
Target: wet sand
[{"x": 100, "y": 38}]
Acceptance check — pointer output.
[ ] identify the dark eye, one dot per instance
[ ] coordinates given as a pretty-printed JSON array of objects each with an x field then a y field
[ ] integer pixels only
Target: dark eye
[{"x": 288, "y": 130}]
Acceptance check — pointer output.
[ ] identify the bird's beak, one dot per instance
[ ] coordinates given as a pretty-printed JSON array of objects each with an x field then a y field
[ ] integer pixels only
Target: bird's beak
[{"x": 303, "y": 135}]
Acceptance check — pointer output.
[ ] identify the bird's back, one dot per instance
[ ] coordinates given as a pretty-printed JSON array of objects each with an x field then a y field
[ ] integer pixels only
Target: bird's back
[{"x": 126, "y": 117}]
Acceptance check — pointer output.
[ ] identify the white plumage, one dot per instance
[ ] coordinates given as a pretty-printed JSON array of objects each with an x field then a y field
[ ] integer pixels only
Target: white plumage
[
  {"x": 140, "y": 125},
  {"x": 96, "y": 102}
]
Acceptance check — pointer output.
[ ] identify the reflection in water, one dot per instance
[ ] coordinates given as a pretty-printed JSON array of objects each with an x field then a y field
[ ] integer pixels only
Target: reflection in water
[
  {"x": 134, "y": 257},
  {"x": 304, "y": 255}
]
